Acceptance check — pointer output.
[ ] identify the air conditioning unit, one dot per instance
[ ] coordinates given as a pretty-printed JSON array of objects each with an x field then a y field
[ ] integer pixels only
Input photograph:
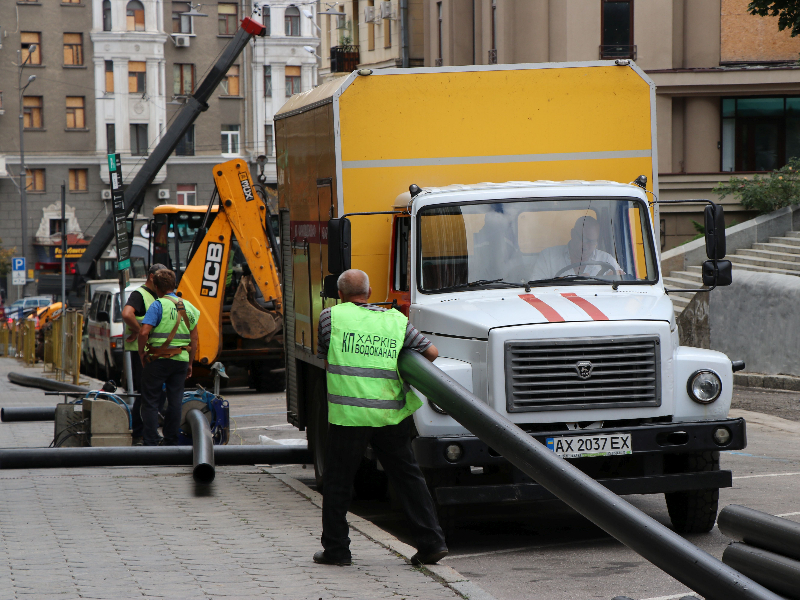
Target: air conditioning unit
[
  {"x": 163, "y": 194},
  {"x": 105, "y": 194},
  {"x": 369, "y": 14},
  {"x": 386, "y": 10},
  {"x": 182, "y": 41}
]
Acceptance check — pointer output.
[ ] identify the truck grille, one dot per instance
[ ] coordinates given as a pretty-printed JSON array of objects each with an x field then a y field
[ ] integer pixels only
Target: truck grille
[{"x": 582, "y": 373}]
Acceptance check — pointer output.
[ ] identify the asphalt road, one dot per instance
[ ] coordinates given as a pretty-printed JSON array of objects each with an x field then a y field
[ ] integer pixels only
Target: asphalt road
[{"x": 547, "y": 551}]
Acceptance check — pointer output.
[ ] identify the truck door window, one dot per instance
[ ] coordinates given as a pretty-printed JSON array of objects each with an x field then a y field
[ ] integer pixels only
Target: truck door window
[
  {"x": 402, "y": 256},
  {"x": 93, "y": 308},
  {"x": 528, "y": 240}
]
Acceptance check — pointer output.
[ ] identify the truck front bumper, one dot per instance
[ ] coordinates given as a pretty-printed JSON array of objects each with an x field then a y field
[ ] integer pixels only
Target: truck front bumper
[{"x": 653, "y": 439}]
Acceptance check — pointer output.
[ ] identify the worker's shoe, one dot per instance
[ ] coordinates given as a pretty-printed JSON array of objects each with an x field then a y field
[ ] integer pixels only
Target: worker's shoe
[
  {"x": 323, "y": 559},
  {"x": 423, "y": 557},
  {"x": 137, "y": 441}
]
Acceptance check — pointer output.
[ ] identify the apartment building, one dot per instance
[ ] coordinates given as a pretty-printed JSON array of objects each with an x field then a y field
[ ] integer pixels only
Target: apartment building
[
  {"x": 110, "y": 77},
  {"x": 728, "y": 83},
  {"x": 371, "y": 34}
]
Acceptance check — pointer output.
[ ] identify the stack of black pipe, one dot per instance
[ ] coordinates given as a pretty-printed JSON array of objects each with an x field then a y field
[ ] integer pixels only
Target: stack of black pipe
[{"x": 766, "y": 548}]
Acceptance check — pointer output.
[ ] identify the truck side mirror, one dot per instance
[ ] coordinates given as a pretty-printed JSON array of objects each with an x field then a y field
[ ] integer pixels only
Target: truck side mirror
[
  {"x": 717, "y": 273},
  {"x": 338, "y": 245},
  {"x": 330, "y": 287},
  {"x": 715, "y": 232}
]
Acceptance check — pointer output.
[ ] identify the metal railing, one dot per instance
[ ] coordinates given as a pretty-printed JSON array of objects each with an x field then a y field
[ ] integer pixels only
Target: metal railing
[
  {"x": 344, "y": 59},
  {"x": 62, "y": 342},
  {"x": 618, "y": 51}
]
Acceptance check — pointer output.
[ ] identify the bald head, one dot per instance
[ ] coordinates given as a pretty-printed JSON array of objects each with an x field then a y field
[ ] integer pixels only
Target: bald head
[{"x": 353, "y": 286}]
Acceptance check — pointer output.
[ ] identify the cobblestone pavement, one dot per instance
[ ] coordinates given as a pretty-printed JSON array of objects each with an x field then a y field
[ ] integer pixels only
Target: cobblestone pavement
[{"x": 152, "y": 533}]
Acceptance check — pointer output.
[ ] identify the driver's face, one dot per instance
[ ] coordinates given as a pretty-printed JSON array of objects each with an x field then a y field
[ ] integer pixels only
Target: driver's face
[{"x": 589, "y": 241}]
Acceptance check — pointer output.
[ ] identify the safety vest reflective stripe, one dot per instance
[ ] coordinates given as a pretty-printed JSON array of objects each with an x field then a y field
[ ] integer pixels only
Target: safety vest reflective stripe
[
  {"x": 169, "y": 315},
  {"x": 178, "y": 336},
  {"x": 362, "y": 372},
  {"x": 147, "y": 297},
  {"x": 366, "y": 403}
]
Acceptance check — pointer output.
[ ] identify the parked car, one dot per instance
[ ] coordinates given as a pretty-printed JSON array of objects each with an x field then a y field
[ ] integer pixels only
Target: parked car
[
  {"x": 104, "y": 326},
  {"x": 91, "y": 287},
  {"x": 19, "y": 309}
]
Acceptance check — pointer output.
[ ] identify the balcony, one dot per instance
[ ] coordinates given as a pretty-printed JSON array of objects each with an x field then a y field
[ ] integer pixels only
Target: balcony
[
  {"x": 344, "y": 59},
  {"x": 618, "y": 51}
]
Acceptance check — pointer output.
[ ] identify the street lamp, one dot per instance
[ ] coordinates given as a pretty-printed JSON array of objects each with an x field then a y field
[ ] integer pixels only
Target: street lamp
[
  {"x": 22, "y": 175},
  {"x": 310, "y": 50},
  {"x": 308, "y": 14}
]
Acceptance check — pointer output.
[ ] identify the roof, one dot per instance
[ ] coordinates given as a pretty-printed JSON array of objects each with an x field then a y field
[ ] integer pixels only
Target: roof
[{"x": 322, "y": 94}]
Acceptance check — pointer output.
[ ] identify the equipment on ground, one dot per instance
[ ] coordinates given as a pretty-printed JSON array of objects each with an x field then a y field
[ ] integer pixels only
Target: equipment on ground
[
  {"x": 214, "y": 409},
  {"x": 12, "y": 414}
]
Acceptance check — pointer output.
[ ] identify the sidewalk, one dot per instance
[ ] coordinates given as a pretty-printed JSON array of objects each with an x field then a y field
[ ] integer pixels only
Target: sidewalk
[{"x": 150, "y": 532}]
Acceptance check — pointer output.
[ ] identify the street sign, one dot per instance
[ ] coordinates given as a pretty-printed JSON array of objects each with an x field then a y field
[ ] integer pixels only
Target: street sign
[
  {"x": 18, "y": 270},
  {"x": 118, "y": 203}
]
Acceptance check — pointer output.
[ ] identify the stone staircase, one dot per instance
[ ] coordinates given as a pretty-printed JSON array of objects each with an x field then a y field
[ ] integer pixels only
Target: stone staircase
[{"x": 780, "y": 255}]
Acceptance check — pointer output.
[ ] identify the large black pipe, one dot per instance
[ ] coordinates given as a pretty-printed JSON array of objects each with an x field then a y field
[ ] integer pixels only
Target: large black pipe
[
  {"x": 12, "y": 414},
  {"x": 202, "y": 447},
  {"x": 138, "y": 456},
  {"x": 775, "y": 572},
  {"x": 761, "y": 529},
  {"x": 44, "y": 383},
  {"x": 661, "y": 546}
]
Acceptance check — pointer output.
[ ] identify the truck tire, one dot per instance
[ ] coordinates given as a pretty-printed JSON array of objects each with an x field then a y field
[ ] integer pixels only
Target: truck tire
[
  {"x": 318, "y": 428},
  {"x": 695, "y": 511},
  {"x": 268, "y": 378}
]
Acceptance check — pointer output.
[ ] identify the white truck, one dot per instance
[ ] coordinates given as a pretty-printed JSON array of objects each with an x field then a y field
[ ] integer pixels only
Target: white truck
[{"x": 542, "y": 290}]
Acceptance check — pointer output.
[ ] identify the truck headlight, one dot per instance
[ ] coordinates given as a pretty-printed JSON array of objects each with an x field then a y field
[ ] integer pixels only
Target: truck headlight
[{"x": 704, "y": 386}]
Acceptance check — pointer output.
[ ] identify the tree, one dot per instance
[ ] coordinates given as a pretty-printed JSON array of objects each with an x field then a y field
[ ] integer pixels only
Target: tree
[
  {"x": 787, "y": 11},
  {"x": 766, "y": 193}
]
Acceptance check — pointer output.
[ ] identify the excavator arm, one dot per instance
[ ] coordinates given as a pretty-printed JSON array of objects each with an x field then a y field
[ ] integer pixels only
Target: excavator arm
[{"x": 242, "y": 215}]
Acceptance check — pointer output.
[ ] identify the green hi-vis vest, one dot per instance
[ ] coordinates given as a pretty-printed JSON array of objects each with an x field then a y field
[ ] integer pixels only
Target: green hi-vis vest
[
  {"x": 148, "y": 298},
  {"x": 169, "y": 314},
  {"x": 364, "y": 388}
]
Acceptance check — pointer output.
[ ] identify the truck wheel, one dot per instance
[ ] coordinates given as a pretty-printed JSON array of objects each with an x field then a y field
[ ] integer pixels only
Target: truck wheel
[
  {"x": 695, "y": 511},
  {"x": 266, "y": 381},
  {"x": 318, "y": 428}
]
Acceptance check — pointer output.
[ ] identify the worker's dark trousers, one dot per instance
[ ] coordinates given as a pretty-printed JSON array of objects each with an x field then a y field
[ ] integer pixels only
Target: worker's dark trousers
[
  {"x": 392, "y": 445},
  {"x": 154, "y": 375},
  {"x": 136, "y": 411}
]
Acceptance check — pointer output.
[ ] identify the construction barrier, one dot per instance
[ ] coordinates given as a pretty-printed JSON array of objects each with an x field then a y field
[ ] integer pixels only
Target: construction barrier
[
  {"x": 5, "y": 340},
  {"x": 68, "y": 361},
  {"x": 62, "y": 340},
  {"x": 27, "y": 345}
]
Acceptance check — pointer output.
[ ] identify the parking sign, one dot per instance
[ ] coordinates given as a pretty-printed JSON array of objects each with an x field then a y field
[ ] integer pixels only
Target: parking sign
[{"x": 18, "y": 270}]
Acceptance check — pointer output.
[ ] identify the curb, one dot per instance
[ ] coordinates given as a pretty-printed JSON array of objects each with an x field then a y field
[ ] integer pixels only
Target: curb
[
  {"x": 446, "y": 575},
  {"x": 774, "y": 382}
]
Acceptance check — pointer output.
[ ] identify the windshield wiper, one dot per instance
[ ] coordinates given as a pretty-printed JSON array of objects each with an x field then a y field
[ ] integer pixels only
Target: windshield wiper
[
  {"x": 569, "y": 279},
  {"x": 477, "y": 283}
]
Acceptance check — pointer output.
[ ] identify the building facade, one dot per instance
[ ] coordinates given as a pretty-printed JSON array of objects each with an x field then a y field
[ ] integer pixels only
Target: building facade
[
  {"x": 727, "y": 82},
  {"x": 110, "y": 77}
]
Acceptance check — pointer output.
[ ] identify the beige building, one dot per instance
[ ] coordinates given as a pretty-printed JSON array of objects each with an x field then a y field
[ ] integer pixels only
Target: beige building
[
  {"x": 370, "y": 34},
  {"x": 728, "y": 83}
]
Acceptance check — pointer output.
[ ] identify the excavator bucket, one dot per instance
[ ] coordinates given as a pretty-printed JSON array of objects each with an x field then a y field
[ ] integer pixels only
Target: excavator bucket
[{"x": 249, "y": 320}]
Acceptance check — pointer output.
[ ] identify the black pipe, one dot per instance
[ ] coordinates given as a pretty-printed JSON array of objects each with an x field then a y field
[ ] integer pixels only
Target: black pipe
[
  {"x": 761, "y": 530},
  {"x": 775, "y": 572},
  {"x": 661, "y": 546},
  {"x": 44, "y": 383},
  {"x": 138, "y": 456},
  {"x": 13, "y": 414},
  {"x": 202, "y": 447}
]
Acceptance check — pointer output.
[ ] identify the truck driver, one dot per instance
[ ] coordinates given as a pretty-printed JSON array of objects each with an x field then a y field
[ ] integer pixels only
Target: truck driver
[{"x": 368, "y": 404}]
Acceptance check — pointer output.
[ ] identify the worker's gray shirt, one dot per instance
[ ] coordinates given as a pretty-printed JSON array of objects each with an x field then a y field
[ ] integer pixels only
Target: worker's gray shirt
[{"x": 414, "y": 339}]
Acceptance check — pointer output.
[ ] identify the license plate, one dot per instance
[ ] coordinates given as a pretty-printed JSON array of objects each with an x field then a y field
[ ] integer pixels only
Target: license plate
[{"x": 580, "y": 446}]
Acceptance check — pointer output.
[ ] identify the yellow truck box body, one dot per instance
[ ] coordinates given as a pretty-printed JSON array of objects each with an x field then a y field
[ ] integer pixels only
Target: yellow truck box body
[{"x": 353, "y": 144}]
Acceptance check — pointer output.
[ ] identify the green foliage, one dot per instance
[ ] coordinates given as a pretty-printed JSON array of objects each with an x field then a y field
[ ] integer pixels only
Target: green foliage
[
  {"x": 701, "y": 231},
  {"x": 787, "y": 11},
  {"x": 5, "y": 258},
  {"x": 765, "y": 193}
]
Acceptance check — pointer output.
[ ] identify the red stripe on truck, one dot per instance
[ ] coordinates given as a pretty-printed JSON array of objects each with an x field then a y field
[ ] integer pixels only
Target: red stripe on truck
[
  {"x": 589, "y": 308},
  {"x": 548, "y": 312}
]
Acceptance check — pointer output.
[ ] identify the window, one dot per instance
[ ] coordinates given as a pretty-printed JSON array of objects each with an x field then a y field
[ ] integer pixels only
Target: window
[
  {"x": 186, "y": 194},
  {"x": 33, "y": 114},
  {"x": 291, "y": 21},
  {"x": 371, "y": 28},
  {"x": 387, "y": 33},
  {"x": 228, "y": 18},
  {"x": 759, "y": 134},
  {"x": 111, "y": 138},
  {"x": 27, "y": 39},
  {"x": 181, "y": 23},
  {"x": 292, "y": 80},
  {"x": 73, "y": 49},
  {"x": 268, "y": 140},
  {"x": 77, "y": 181},
  {"x": 138, "y": 140},
  {"x": 70, "y": 1},
  {"x": 230, "y": 139},
  {"x": 183, "y": 76},
  {"x": 109, "y": 76},
  {"x": 185, "y": 146},
  {"x": 230, "y": 84},
  {"x": 439, "y": 55},
  {"x": 266, "y": 18},
  {"x": 106, "y": 15},
  {"x": 35, "y": 180},
  {"x": 617, "y": 29},
  {"x": 268, "y": 82},
  {"x": 55, "y": 226},
  {"x": 135, "y": 16},
  {"x": 136, "y": 77},
  {"x": 76, "y": 116}
]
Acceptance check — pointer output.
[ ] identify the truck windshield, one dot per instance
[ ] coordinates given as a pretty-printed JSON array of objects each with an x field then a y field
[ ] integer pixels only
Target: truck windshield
[{"x": 549, "y": 242}]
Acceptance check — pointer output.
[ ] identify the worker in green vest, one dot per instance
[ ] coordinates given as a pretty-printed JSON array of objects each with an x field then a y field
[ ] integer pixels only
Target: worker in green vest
[
  {"x": 368, "y": 404},
  {"x": 133, "y": 312},
  {"x": 167, "y": 344}
]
